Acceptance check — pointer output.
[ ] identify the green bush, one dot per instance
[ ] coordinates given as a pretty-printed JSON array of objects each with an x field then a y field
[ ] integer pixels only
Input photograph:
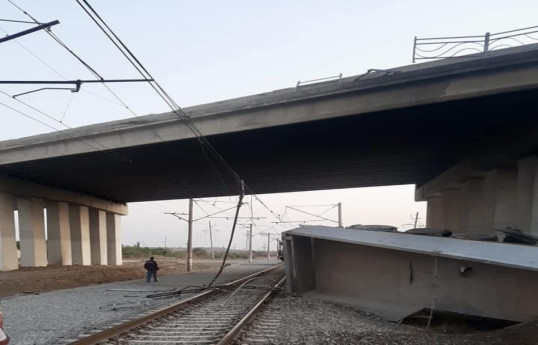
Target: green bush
[{"x": 144, "y": 252}]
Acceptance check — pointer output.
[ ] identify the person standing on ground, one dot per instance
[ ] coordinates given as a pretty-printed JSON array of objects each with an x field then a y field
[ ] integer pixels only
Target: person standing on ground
[{"x": 151, "y": 268}]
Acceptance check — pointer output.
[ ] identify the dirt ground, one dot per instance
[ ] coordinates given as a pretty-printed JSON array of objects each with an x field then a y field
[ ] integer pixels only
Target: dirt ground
[{"x": 43, "y": 279}]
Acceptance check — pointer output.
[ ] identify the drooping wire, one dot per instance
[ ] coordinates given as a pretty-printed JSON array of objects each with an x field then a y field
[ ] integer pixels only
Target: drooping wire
[
  {"x": 239, "y": 203},
  {"x": 176, "y": 109},
  {"x": 103, "y": 26}
]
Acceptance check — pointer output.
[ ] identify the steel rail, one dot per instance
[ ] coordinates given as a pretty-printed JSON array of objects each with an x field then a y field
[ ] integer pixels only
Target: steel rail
[
  {"x": 234, "y": 332},
  {"x": 125, "y": 327}
]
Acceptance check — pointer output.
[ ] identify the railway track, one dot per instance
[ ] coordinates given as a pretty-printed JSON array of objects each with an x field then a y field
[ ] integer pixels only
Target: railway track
[{"x": 214, "y": 316}]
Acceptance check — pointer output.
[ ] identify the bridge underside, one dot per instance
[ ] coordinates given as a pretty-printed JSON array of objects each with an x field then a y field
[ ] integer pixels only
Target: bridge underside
[{"x": 404, "y": 146}]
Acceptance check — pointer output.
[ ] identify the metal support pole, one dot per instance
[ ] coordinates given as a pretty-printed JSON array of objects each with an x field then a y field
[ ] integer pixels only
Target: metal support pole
[
  {"x": 250, "y": 244},
  {"x": 414, "y": 48},
  {"x": 340, "y": 222},
  {"x": 29, "y": 31},
  {"x": 211, "y": 240},
  {"x": 268, "y": 246},
  {"x": 416, "y": 220},
  {"x": 486, "y": 42},
  {"x": 189, "y": 238}
]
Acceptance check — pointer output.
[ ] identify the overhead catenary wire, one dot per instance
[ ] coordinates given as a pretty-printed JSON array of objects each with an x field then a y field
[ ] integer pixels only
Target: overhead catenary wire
[
  {"x": 84, "y": 63},
  {"x": 211, "y": 151},
  {"x": 57, "y": 39},
  {"x": 156, "y": 86},
  {"x": 103, "y": 26},
  {"x": 239, "y": 203},
  {"x": 311, "y": 214},
  {"x": 168, "y": 100},
  {"x": 49, "y": 66}
]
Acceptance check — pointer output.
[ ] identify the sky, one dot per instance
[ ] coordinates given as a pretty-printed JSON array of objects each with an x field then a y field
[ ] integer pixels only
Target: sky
[{"x": 206, "y": 51}]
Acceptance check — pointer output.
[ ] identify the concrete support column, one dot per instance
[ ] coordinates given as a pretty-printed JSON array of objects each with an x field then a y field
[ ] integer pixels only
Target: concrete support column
[
  {"x": 8, "y": 245},
  {"x": 79, "y": 220},
  {"x": 451, "y": 203},
  {"x": 500, "y": 199},
  {"x": 434, "y": 217},
  {"x": 113, "y": 230},
  {"x": 58, "y": 234},
  {"x": 472, "y": 206},
  {"x": 527, "y": 195},
  {"x": 32, "y": 232},
  {"x": 98, "y": 237}
]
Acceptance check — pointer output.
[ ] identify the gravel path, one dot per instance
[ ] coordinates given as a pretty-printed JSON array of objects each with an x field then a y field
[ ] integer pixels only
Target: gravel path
[{"x": 56, "y": 317}]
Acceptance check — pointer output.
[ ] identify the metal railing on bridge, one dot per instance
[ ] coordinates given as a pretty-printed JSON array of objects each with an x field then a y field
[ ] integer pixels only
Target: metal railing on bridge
[{"x": 460, "y": 46}]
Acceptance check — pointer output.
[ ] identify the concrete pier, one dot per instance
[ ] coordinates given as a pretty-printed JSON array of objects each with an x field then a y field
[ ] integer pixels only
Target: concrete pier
[
  {"x": 434, "y": 216},
  {"x": 65, "y": 240},
  {"x": 79, "y": 219},
  {"x": 8, "y": 245},
  {"x": 58, "y": 234},
  {"x": 98, "y": 237},
  {"x": 472, "y": 205},
  {"x": 113, "y": 230},
  {"x": 469, "y": 199},
  {"x": 32, "y": 232},
  {"x": 527, "y": 194}
]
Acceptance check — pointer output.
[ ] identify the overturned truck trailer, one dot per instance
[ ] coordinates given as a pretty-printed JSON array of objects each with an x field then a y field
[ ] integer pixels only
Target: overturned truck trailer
[{"x": 395, "y": 274}]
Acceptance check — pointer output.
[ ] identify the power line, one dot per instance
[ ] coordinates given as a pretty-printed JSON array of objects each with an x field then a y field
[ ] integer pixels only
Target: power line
[
  {"x": 97, "y": 75},
  {"x": 103, "y": 26},
  {"x": 18, "y": 21},
  {"x": 311, "y": 214},
  {"x": 121, "y": 103},
  {"x": 57, "y": 39},
  {"x": 29, "y": 116}
]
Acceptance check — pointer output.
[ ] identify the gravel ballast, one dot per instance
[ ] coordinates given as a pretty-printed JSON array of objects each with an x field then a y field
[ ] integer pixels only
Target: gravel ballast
[
  {"x": 61, "y": 316},
  {"x": 305, "y": 321},
  {"x": 58, "y": 316}
]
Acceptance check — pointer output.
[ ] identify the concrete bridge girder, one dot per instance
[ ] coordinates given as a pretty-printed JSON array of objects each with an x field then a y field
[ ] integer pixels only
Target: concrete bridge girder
[{"x": 262, "y": 112}]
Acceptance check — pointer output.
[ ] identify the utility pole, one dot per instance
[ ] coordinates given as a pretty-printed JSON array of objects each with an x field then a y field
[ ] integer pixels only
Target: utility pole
[
  {"x": 268, "y": 246},
  {"x": 189, "y": 238},
  {"x": 416, "y": 220},
  {"x": 340, "y": 222},
  {"x": 250, "y": 245},
  {"x": 178, "y": 216},
  {"x": 211, "y": 240}
]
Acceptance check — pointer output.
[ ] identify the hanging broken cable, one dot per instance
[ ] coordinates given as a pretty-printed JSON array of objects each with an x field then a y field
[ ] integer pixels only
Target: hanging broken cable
[{"x": 231, "y": 236}]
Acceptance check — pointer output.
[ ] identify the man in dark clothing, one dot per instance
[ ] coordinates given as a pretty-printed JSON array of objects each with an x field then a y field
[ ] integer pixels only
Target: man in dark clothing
[{"x": 151, "y": 268}]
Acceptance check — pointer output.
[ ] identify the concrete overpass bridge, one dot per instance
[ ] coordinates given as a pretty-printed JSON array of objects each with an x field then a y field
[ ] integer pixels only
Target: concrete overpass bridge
[{"x": 465, "y": 131}]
